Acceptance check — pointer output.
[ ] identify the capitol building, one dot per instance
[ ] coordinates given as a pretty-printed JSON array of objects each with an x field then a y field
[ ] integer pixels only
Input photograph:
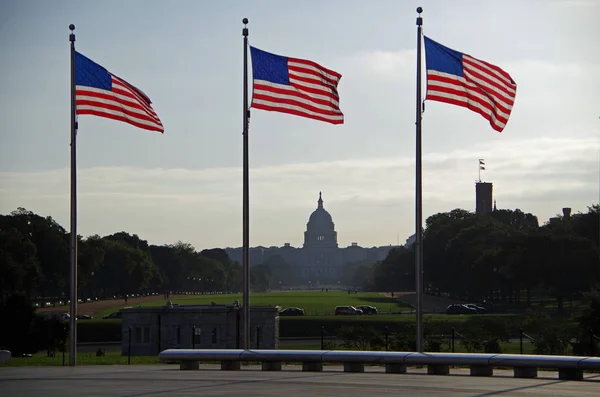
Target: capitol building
[{"x": 320, "y": 258}]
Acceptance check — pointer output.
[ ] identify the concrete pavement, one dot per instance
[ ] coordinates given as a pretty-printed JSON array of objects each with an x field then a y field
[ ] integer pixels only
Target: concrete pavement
[{"x": 168, "y": 380}]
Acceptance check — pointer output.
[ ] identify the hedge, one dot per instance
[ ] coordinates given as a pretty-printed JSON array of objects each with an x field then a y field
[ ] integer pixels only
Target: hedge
[
  {"x": 98, "y": 331},
  {"x": 310, "y": 326}
]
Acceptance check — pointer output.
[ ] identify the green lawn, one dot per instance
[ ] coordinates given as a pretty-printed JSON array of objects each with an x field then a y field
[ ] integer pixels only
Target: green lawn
[
  {"x": 112, "y": 357},
  {"x": 313, "y": 302}
]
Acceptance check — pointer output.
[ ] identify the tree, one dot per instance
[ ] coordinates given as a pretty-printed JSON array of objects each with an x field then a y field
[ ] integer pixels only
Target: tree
[
  {"x": 170, "y": 266},
  {"x": 281, "y": 271},
  {"x": 19, "y": 268},
  {"x": 440, "y": 272},
  {"x": 363, "y": 276},
  {"x": 233, "y": 270},
  {"x": 90, "y": 259},
  {"x": 261, "y": 278},
  {"x": 350, "y": 274},
  {"x": 516, "y": 219},
  {"x": 130, "y": 239},
  {"x": 18, "y": 311},
  {"x": 588, "y": 225},
  {"x": 396, "y": 272},
  {"x": 126, "y": 269},
  {"x": 570, "y": 265},
  {"x": 52, "y": 249}
]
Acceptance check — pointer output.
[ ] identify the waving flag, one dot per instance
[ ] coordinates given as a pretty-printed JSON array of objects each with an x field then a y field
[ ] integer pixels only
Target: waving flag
[
  {"x": 101, "y": 93},
  {"x": 295, "y": 86},
  {"x": 460, "y": 79}
]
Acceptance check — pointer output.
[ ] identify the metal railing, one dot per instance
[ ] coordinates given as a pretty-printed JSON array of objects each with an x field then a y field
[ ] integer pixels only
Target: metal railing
[{"x": 569, "y": 367}]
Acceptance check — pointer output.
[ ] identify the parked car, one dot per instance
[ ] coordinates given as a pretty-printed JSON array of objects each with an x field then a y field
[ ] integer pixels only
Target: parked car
[
  {"x": 292, "y": 311},
  {"x": 366, "y": 309},
  {"x": 460, "y": 309},
  {"x": 83, "y": 317},
  {"x": 347, "y": 311},
  {"x": 480, "y": 309},
  {"x": 114, "y": 315},
  {"x": 60, "y": 316}
]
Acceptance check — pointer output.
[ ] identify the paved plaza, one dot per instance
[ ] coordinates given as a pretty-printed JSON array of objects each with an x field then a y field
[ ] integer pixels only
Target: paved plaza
[{"x": 168, "y": 380}]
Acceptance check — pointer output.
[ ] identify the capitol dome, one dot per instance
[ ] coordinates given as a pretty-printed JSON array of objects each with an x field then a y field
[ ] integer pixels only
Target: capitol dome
[
  {"x": 320, "y": 229},
  {"x": 320, "y": 216}
]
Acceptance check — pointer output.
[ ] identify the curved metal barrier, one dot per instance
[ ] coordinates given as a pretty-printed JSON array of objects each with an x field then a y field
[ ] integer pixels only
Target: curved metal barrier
[{"x": 525, "y": 366}]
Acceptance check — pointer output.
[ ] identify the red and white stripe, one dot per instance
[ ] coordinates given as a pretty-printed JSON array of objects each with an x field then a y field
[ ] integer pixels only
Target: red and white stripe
[
  {"x": 484, "y": 88},
  {"x": 312, "y": 93},
  {"x": 124, "y": 103}
]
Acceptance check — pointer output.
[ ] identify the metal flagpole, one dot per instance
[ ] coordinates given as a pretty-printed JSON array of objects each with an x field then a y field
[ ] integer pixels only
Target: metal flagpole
[
  {"x": 245, "y": 216},
  {"x": 418, "y": 197},
  {"x": 73, "y": 296}
]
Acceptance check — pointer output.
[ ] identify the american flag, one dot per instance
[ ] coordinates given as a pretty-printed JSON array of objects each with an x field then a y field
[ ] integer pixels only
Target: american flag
[
  {"x": 460, "y": 79},
  {"x": 101, "y": 93},
  {"x": 295, "y": 86}
]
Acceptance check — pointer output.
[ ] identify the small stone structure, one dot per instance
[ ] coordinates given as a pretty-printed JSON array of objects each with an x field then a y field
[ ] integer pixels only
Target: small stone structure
[
  {"x": 154, "y": 329},
  {"x": 4, "y": 356}
]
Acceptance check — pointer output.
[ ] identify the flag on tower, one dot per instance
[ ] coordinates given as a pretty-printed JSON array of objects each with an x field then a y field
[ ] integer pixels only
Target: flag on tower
[
  {"x": 481, "y": 164},
  {"x": 460, "y": 79},
  {"x": 295, "y": 86},
  {"x": 101, "y": 93}
]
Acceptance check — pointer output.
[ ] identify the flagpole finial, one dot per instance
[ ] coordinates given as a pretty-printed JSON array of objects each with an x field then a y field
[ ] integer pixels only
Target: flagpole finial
[
  {"x": 419, "y": 10},
  {"x": 245, "y": 30},
  {"x": 71, "y": 27}
]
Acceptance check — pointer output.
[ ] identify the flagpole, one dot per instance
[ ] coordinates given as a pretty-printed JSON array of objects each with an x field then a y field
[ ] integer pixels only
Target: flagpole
[
  {"x": 73, "y": 236},
  {"x": 419, "y": 197},
  {"x": 245, "y": 210}
]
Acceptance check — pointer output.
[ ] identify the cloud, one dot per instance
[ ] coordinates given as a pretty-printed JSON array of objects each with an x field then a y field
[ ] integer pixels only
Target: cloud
[
  {"x": 370, "y": 199},
  {"x": 577, "y": 3},
  {"x": 386, "y": 64}
]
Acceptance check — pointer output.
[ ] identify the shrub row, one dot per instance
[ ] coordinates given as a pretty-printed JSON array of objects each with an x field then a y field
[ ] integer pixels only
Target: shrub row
[
  {"x": 309, "y": 326},
  {"x": 98, "y": 331}
]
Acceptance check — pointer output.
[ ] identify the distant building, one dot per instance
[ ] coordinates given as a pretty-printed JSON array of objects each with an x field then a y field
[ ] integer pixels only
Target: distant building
[
  {"x": 319, "y": 259},
  {"x": 154, "y": 329},
  {"x": 483, "y": 197}
]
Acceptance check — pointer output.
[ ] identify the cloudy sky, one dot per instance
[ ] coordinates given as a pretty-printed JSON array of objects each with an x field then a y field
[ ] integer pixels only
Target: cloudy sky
[{"x": 187, "y": 56}]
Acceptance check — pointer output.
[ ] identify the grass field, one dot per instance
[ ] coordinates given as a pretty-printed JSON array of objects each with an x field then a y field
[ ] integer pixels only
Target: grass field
[
  {"x": 112, "y": 357},
  {"x": 313, "y": 302}
]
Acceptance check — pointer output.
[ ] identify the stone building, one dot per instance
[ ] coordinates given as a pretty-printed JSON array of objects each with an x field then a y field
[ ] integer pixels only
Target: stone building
[
  {"x": 154, "y": 329},
  {"x": 320, "y": 258}
]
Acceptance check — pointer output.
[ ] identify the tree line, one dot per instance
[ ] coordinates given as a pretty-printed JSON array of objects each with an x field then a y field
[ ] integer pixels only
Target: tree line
[
  {"x": 35, "y": 252},
  {"x": 502, "y": 256}
]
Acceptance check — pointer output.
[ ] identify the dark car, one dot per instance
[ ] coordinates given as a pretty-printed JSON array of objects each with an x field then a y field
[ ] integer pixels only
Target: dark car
[
  {"x": 83, "y": 317},
  {"x": 460, "y": 309},
  {"x": 347, "y": 310},
  {"x": 292, "y": 311},
  {"x": 480, "y": 309},
  {"x": 366, "y": 309},
  {"x": 114, "y": 315}
]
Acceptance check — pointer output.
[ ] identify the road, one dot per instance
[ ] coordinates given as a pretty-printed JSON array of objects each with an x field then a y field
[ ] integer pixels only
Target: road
[{"x": 162, "y": 380}]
